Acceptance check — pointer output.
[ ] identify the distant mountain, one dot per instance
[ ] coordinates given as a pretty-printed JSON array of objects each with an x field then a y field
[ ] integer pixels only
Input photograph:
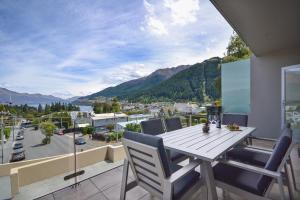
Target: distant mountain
[
  {"x": 193, "y": 84},
  {"x": 24, "y": 98},
  {"x": 196, "y": 83},
  {"x": 138, "y": 85},
  {"x": 72, "y": 99}
]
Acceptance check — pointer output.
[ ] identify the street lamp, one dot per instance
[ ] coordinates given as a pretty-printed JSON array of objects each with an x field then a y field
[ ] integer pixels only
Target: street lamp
[{"x": 2, "y": 135}]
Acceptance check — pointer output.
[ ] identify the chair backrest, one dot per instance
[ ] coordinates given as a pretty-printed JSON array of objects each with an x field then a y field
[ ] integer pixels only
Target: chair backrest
[
  {"x": 148, "y": 160},
  {"x": 276, "y": 160},
  {"x": 173, "y": 124},
  {"x": 239, "y": 119},
  {"x": 152, "y": 127}
]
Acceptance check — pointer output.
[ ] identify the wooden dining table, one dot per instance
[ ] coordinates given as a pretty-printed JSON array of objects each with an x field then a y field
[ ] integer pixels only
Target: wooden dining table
[{"x": 207, "y": 147}]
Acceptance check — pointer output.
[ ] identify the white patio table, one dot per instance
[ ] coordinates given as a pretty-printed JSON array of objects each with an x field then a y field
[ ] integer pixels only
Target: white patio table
[{"x": 207, "y": 147}]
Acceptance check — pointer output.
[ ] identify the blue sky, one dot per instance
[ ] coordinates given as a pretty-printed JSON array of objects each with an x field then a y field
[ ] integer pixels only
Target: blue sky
[{"x": 74, "y": 47}]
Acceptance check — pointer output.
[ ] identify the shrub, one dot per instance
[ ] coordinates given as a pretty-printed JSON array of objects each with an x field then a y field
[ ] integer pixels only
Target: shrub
[
  {"x": 115, "y": 135},
  {"x": 133, "y": 127},
  {"x": 110, "y": 127},
  {"x": 203, "y": 120},
  {"x": 7, "y": 132},
  {"x": 88, "y": 130}
]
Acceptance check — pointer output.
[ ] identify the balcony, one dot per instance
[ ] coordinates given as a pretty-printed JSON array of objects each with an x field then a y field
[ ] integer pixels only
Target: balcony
[{"x": 102, "y": 180}]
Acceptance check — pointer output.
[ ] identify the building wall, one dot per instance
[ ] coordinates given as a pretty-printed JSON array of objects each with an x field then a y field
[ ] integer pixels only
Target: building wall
[
  {"x": 105, "y": 122},
  {"x": 265, "y": 112}
]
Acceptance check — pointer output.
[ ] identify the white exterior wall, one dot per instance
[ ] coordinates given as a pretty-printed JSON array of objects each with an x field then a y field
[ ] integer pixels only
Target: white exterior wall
[
  {"x": 104, "y": 122},
  {"x": 265, "y": 102}
]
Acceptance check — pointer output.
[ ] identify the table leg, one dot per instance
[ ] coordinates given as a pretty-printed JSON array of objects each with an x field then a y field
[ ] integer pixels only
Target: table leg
[{"x": 207, "y": 172}]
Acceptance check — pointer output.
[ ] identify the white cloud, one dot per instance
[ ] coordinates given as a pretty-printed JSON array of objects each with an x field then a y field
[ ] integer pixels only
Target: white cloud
[
  {"x": 183, "y": 11},
  {"x": 79, "y": 47},
  {"x": 156, "y": 26}
]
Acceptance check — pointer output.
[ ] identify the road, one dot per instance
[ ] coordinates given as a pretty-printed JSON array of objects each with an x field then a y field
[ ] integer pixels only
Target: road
[{"x": 60, "y": 144}]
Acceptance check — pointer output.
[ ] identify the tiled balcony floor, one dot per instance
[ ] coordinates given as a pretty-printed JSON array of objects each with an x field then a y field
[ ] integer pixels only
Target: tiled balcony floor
[{"x": 106, "y": 186}]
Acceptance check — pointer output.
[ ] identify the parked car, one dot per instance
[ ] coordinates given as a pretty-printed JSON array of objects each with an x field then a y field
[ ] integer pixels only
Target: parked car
[
  {"x": 80, "y": 141},
  {"x": 18, "y": 145},
  {"x": 4, "y": 140},
  {"x": 20, "y": 133},
  {"x": 20, "y": 137},
  {"x": 59, "y": 131},
  {"x": 17, "y": 155}
]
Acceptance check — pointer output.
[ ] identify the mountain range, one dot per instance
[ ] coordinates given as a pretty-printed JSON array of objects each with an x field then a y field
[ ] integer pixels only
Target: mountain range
[
  {"x": 137, "y": 85},
  {"x": 8, "y": 96},
  {"x": 183, "y": 83}
]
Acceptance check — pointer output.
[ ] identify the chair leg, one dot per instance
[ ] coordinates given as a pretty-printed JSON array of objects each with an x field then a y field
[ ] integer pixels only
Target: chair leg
[
  {"x": 281, "y": 189},
  {"x": 293, "y": 174},
  {"x": 225, "y": 194},
  {"x": 168, "y": 191},
  {"x": 124, "y": 180},
  {"x": 287, "y": 174}
]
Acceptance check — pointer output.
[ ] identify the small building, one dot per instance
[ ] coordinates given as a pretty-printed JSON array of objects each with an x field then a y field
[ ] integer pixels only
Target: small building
[
  {"x": 187, "y": 108},
  {"x": 104, "y": 119},
  {"x": 137, "y": 117}
]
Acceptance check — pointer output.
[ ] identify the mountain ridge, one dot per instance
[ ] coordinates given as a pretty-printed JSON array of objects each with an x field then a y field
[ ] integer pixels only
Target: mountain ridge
[
  {"x": 9, "y": 96},
  {"x": 135, "y": 85},
  {"x": 190, "y": 83}
]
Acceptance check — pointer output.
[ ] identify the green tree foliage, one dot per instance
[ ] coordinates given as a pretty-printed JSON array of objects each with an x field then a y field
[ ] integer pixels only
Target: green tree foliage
[
  {"x": 62, "y": 118},
  {"x": 115, "y": 136},
  {"x": 115, "y": 105},
  {"x": 192, "y": 84},
  {"x": 7, "y": 132},
  {"x": 36, "y": 122},
  {"x": 2, "y": 108},
  {"x": 48, "y": 129},
  {"x": 40, "y": 108},
  {"x": 133, "y": 127},
  {"x": 107, "y": 107},
  {"x": 30, "y": 112},
  {"x": 236, "y": 49},
  {"x": 88, "y": 130}
]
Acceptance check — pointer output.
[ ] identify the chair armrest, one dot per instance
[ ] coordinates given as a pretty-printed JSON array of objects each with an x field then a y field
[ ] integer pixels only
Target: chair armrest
[
  {"x": 258, "y": 149},
  {"x": 252, "y": 168},
  {"x": 261, "y": 138},
  {"x": 183, "y": 171}
]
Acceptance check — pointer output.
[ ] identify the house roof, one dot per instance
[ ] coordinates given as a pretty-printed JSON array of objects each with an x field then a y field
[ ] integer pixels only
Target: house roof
[{"x": 265, "y": 26}]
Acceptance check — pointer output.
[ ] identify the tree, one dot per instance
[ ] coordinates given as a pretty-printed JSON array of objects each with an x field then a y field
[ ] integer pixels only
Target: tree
[
  {"x": 7, "y": 132},
  {"x": 48, "y": 129},
  {"x": 35, "y": 122},
  {"x": 236, "y": 49},
  {"x": 47, "y": 109},
  {"x": 40, "y": 108},
  {"x": 2, "y": 108},
  {"x": 88, "y": 130},
  {"x": 115, "y": 105}
]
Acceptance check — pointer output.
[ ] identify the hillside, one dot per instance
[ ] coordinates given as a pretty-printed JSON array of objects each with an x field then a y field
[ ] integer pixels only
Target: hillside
[
  {"x": 137, "y": 85},
  {"x": 193, "y": 84},
  {"x": 24, "y": 98}
]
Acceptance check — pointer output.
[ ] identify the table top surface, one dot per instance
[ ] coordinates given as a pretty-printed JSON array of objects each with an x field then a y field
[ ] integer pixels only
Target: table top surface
[{"x": 192, "y": 141}]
